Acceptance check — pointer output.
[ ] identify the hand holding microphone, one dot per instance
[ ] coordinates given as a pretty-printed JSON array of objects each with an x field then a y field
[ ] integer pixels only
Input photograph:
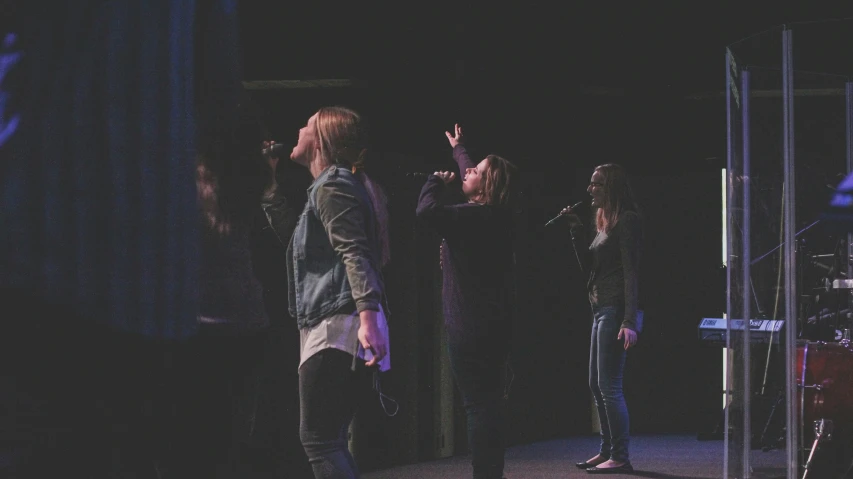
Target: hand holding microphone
[
  {"x": 445, "y": 176},
  {"x": 272, "y": 149},
  {"x": 568, "y": 212}
]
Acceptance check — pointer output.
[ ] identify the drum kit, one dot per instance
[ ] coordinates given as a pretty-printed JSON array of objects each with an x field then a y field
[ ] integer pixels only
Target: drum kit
[
  {"x": 824, "y": 363},
  {"x": 825, "y": 393},
  {"x": 824, "y": 346}
]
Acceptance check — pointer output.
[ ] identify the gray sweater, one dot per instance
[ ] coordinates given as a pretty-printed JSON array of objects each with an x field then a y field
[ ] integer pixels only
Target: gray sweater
[{"x": 614, "y": 260}]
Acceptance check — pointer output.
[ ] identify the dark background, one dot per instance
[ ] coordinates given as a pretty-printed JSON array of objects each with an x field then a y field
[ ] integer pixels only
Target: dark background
[{"x": 558, "y": 89}]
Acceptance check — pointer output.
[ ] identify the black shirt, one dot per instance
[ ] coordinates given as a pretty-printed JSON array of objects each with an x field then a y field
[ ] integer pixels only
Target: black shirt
[
  {"x": 615, "y": 261},
  {"x": 477, "y": 261}
]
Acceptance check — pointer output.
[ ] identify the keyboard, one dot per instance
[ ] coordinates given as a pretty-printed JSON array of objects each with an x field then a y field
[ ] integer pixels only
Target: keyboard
[{"x": 714, "y": 331}]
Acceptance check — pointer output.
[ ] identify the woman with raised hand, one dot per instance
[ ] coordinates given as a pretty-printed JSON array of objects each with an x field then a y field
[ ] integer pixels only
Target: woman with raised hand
[{"x": 478, "y": 290}]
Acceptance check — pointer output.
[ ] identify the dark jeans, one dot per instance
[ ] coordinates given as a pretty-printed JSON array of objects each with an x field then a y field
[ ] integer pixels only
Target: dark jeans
[
  {"x": 329, "y": 393},
  {"x": 606, "y": 365},
  {"x": 480, "y": 376},
  {"x": 217, "y": 408},
  {"x": 275, "y": 449}
]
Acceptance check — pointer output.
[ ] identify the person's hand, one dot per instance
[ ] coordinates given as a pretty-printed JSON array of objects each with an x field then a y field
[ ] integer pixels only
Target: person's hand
[
  {"x": 455, "y": 139},
  {"x": 272, "y": 158},
  {"x": 629, "y": 335},
  {"x": 445, "y": 176},
  {"x": 370, "y": 337},
  {"x": 569, "y": 213}
]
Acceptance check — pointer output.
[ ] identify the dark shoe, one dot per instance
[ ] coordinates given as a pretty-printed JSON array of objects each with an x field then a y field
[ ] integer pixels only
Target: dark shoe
[
  {"x": 587, "y": 465},
  {"x": 627, "y": 467}
]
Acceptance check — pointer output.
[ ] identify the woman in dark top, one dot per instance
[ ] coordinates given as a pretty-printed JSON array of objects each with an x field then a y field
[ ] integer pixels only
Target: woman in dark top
[
  {"x": 231, "y": 177},
  {"x": 614, "y": 254},
  {"x": 477, "y": 291}
]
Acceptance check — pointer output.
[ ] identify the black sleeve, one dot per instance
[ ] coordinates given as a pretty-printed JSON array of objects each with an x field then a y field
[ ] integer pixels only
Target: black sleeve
[
  {"x": 447, "y": 220},
  {"x": 629, "y": 246}
]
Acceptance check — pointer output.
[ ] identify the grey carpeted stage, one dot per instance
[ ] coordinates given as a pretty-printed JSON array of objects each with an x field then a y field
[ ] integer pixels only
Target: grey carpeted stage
[{"x": 652, "y": 456}]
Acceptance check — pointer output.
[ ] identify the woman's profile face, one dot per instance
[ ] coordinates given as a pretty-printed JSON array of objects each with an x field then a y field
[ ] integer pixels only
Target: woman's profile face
[
  {"x": 473, "y": 180},
  {"x": 596, "y": 189},
  {"x": 306, "y": 145}
]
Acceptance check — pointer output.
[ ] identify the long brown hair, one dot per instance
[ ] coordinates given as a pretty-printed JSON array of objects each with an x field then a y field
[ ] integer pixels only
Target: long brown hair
[
  {"x": 498, "y": 182},
  {"x": 618, "y": 196},
  {"x": 232, "y": 173},
  {"x": 342, "y": 136}
]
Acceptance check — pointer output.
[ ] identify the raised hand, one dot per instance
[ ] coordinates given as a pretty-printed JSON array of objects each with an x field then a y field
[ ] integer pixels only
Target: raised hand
[{"x": 455, "y": 139}]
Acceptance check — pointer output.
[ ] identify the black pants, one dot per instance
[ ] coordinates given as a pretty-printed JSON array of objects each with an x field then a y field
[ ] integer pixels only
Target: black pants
[
  {"x": 275, "y": 449},
  {"x": 239, "y": 410},
  {"x": 480, "y": 373},
  {"x": 329, "y": 393},
  {"x": 218, "y": 403}
]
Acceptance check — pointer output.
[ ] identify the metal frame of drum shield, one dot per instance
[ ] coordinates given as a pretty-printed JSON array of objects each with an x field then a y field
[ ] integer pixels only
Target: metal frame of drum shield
[{"x": 736, "y": 463}]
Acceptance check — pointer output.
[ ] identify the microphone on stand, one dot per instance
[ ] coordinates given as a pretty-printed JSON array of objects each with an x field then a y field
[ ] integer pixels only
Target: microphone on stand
[
  {"x": 561, "y": 214},
  {"x": 576, "y": 205}
]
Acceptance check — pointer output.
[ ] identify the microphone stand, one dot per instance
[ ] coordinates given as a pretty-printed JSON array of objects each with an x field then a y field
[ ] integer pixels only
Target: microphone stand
[
  {"x": 574, "y": 248},
  {"x": 552, "y": 220},
  {"x": 577, "y": 256}
]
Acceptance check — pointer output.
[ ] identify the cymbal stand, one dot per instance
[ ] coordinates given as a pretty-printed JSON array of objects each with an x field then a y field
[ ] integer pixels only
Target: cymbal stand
[{"x": 823, "y": 432}]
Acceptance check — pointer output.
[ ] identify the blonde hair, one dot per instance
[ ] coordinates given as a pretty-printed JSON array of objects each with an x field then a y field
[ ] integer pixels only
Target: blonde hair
[
  {"x": 342, "y": 137},
  {"x": 618, "y": 196}
]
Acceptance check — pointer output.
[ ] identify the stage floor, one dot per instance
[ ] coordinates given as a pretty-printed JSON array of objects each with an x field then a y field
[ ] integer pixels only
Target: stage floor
[{"x": 652, "y": 456}]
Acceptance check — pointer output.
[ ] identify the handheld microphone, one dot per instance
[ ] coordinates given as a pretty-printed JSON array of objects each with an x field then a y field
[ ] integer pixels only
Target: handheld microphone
[
  {"x": 417, "y": 174},
  {"x": 275, "y": 150},
  {"x": 561, "y": 214}
]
